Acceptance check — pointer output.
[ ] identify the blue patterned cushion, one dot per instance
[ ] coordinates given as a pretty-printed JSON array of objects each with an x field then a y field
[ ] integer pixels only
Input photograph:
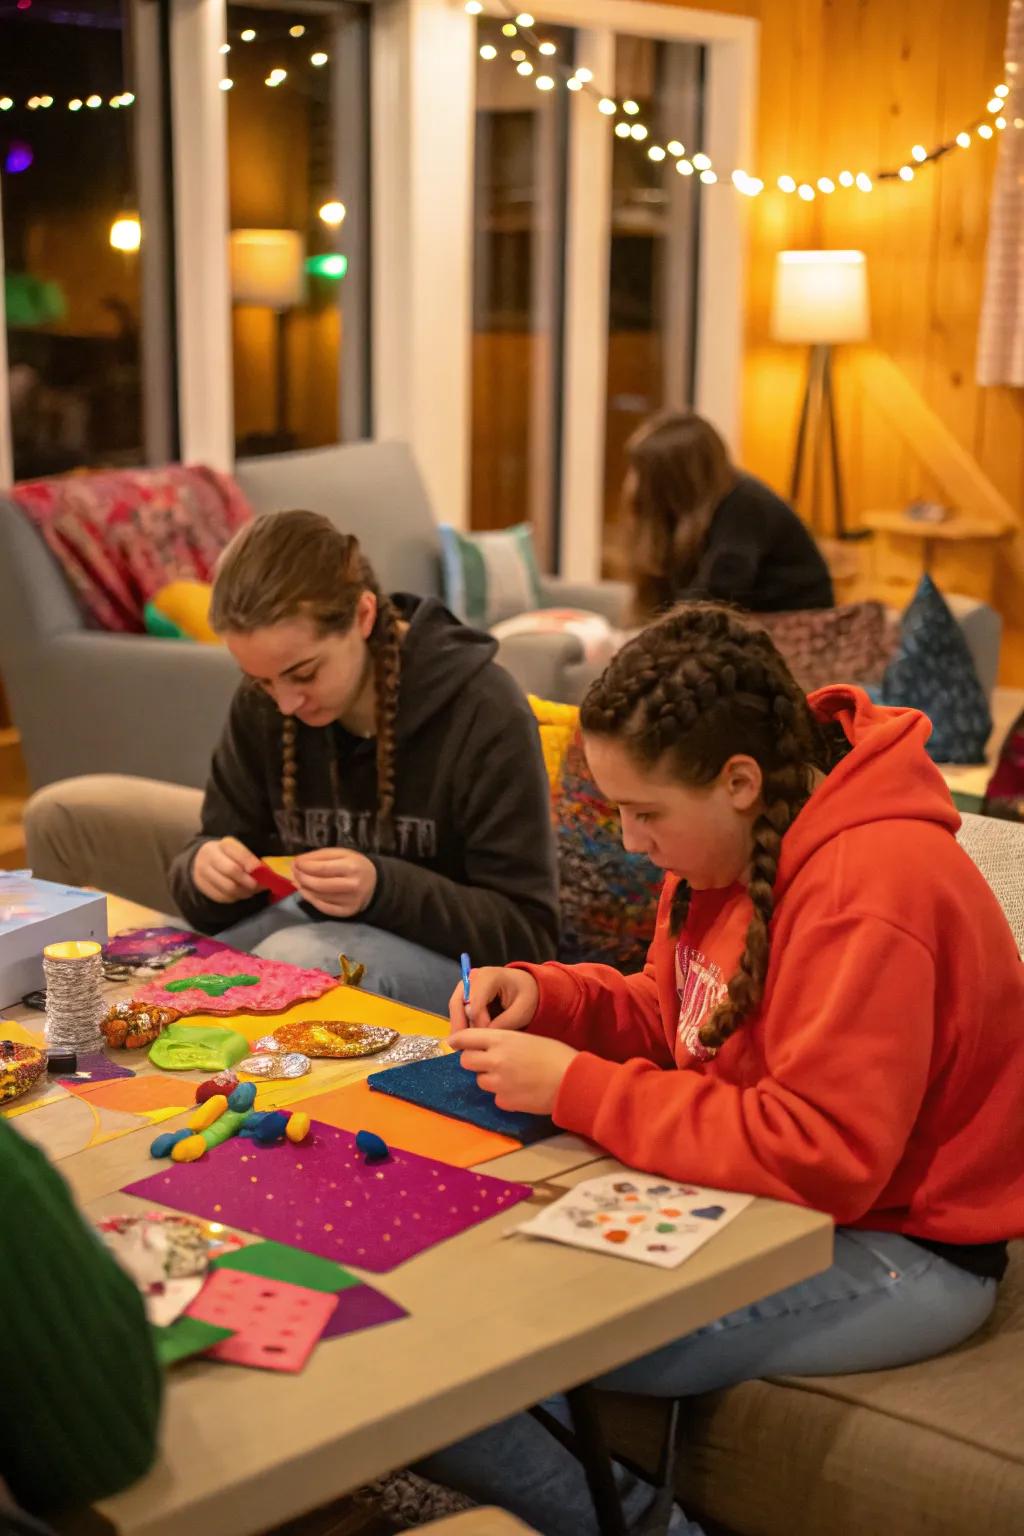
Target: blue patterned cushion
[{"x": 933, "y": 672}]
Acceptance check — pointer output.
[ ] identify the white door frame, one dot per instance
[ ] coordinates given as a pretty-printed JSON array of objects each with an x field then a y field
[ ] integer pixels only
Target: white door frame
[
  {"x": 200, "y": 147},
  {"x": 423, "y": 79}
]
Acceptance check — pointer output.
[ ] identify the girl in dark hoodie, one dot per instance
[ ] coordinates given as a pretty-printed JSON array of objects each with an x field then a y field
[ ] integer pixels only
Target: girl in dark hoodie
[{"x": 377, "y": 741}]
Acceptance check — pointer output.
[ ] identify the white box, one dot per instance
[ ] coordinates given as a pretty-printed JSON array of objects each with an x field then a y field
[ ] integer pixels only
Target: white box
[{"x": 34, "y": 913}]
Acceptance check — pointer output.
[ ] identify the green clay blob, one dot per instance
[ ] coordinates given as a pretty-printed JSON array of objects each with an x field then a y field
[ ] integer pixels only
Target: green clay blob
[{"x": 213, "y": 986}]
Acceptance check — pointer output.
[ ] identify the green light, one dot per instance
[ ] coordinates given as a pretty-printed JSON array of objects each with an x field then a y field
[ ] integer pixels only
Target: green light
[{"x": 331, "y": 265}]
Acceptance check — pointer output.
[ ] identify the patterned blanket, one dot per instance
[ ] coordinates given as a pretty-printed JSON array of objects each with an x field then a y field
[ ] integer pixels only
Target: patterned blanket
[{"x": 121, "y": 535}]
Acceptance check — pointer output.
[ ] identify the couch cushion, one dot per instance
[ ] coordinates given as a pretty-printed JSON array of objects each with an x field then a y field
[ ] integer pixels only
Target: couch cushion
[
  {"x": 373, "y": 490},
  {"x": 936, "y": 1448},
  {"x": 933, "y": 671},
  {"x": 489, "y": 577},
  {"x": 608, "y": 897},
  {"x": 849, "y": 644}
]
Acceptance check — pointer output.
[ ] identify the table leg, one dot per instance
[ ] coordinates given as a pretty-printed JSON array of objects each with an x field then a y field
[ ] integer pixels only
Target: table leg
[{"x": 597, "y": 1463}]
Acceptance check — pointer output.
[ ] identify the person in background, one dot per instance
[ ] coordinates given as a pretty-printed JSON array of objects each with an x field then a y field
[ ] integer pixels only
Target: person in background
[
  {"x": 82, "y": 1389},
  {"x": 699, "y": 528}
]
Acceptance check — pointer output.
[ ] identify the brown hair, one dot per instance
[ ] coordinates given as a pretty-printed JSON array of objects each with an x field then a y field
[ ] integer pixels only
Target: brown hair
[
  {"x": 696, "y": 688},
  {"x": 288, "y": 565},
  {"x": 682, "y": 471}
]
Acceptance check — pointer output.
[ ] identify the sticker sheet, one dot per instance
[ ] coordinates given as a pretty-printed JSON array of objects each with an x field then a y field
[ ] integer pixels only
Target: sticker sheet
[{"x": 637, "y": 1216}]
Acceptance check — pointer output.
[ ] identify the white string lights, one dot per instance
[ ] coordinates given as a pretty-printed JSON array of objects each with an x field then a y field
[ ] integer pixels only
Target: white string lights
[{"x": 628, "y": 124}]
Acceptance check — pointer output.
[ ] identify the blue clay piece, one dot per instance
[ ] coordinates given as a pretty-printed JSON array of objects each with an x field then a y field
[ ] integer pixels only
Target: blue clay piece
[
  {"x": 254, "y": 1120},
  {"x": 373, "y": 1147},
  {"x": 242, "y": 1098},
  {"x": 270, "y": 1129},
  {"x": 161, "y": 1147}
]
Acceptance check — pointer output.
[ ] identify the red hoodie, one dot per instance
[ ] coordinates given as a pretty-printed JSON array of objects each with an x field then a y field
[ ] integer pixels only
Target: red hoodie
[{"x": 882, "y": 1080}]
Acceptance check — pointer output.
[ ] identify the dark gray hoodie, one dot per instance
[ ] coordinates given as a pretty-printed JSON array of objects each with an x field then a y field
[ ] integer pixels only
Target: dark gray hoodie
[{"x": 473, "y": 866}]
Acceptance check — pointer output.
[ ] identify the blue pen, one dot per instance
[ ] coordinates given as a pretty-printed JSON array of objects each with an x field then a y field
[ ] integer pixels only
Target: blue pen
[{"x": 464, "y": 967}]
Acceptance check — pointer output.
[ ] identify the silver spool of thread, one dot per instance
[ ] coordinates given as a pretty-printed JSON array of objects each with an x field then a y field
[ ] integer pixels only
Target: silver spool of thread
[{"x": 73, "y": 971}]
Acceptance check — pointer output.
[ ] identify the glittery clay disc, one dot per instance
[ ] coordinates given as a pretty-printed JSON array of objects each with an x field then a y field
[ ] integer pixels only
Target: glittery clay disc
[
  {"x": 329, "y": 1037},
  {"x": 21, "y": 1066},
  {"x": 274, "y": 1064}
]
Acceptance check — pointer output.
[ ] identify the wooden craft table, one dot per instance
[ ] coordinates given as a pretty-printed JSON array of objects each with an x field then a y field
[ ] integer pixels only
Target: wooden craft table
[{"x": 497, "y": 1322}]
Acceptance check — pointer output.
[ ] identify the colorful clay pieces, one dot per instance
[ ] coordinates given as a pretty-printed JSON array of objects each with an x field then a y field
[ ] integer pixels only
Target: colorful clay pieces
[
  {"x": 335, "y": 1038},
  {"x": 213, "y": 984},
  {"x": 197, "y": 1048},
  {"x": 218, "y": 1117},
  {"x": 132, "y": 1026},
  {"x": 21, "y": 1067}
]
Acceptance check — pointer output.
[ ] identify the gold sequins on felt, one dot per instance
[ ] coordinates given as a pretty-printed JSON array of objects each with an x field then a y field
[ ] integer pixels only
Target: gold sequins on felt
[
  {"x": 329, "y": 1037},
  {"x": 21, "y": 1066}
]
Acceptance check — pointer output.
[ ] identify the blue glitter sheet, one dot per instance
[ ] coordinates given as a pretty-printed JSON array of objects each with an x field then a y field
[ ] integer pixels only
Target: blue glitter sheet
[{"x": 445, "y": 1085}]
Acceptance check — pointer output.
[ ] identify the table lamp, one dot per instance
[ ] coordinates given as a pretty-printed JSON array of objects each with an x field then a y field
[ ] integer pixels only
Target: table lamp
[
  {"x": 820, "y": 299},
  {"x": 267, "y": 270}
]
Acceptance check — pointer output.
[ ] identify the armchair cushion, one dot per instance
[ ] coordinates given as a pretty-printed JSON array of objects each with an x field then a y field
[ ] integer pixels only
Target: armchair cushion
[{"x": 490, "y": 576}]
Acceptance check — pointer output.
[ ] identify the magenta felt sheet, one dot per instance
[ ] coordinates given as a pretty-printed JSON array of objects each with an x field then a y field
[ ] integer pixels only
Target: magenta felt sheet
[
  {"x": 323, "y": 1197},
  {"x": 279, "y": 986}
]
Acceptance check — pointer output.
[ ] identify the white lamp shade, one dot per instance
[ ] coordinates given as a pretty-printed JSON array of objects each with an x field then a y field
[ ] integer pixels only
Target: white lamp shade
[
  {"x": 267, "y": 267},
  {"x": 820, "y": 296}
]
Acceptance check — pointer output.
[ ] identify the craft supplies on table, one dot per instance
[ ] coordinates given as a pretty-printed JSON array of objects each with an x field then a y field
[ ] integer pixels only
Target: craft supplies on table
[
  {"x": 72, "y": 972},
  {"x": 322, "y": 1197},
  {"x": 229, "y": 982},
  {"x": 336, "y": 1038},
  {"x": 637, "y": 1216},
  {"x": 445, "y": 1085},
  {"x": 33, "y": 914},
  {"x": 21, "y": 1067},
  {"x": 155, "y": 949}
]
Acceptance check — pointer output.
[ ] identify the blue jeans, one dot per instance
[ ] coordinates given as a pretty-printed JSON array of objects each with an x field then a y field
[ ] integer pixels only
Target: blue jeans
[
  {"x": 394, "y": 967},
  {"x": 885, "y": 1302}
]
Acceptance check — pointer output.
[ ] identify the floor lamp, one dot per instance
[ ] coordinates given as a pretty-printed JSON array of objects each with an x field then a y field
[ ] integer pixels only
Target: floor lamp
[
  {"x": 268, "y": 270},
  {"x": 820, "y": 299}
]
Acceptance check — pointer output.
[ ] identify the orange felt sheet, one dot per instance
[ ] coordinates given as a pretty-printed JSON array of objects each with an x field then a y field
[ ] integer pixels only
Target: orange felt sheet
[
  {"x": 137, "y": 1095},
  {"x": 357, "y": 1108},
  {"x": 341, "y": 1003}
]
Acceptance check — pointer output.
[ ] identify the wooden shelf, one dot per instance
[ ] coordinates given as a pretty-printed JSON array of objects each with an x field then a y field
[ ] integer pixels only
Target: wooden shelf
[{"x": 960, "y": 554}]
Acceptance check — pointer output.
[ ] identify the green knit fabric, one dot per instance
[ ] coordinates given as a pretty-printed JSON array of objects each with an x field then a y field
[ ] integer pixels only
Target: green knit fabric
[{"x": 81, "y": 1387}]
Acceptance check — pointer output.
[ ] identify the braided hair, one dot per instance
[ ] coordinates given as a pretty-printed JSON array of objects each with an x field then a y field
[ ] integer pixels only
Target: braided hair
[
  {"x": 698, "y": 687},
  {"x": 288, "y": 565}
]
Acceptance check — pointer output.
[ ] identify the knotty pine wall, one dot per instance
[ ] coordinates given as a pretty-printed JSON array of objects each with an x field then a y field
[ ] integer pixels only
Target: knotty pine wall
[{"x": 854, "y": 83}]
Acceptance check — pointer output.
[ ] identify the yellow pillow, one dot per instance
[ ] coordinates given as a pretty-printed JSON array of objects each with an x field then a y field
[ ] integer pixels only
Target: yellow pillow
[
  {"x": 557, "y": 724},
  {"x": 181, "y": 610}
]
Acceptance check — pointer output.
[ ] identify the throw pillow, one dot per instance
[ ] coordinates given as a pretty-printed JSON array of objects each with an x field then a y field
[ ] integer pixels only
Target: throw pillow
[
  {"x": 489, "y": 576},
  {"x": 608, "y": 897},
  {"x": 181, "y": 611},
  {"x": 1005, "y": 794},
  {"x": 598, "y": 639},
  {"x": 933, "y": 672},
  {"x": 557, "y": 725},
  {"x": 853, "y": 643}
]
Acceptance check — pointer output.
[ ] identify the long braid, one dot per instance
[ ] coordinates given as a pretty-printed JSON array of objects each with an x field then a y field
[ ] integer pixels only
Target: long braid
[{"x": 703, "y": 686}]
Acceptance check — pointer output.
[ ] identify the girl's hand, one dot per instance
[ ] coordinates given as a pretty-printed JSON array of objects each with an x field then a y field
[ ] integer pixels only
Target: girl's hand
[
  {"x": 220, "y": 870},
  {"x": 524, "y": 1072},
  {"x": 516, "y": 991},
  {"x": 337, "y": 881}
]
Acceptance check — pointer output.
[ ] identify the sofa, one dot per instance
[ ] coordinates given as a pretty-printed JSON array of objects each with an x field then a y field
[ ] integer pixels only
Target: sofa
[{"x": 90, "y": 702}]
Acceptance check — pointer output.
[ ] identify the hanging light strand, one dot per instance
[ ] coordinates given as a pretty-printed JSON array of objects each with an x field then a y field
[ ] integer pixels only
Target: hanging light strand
[{"x": 520, "y": 27}]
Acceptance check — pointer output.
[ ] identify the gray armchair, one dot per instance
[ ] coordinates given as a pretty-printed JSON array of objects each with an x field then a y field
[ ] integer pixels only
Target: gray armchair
[{"x": 89, "y": 702}]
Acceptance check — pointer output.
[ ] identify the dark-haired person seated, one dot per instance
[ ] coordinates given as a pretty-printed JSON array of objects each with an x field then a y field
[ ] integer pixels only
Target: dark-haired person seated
[{"x": 702, "y": 529}]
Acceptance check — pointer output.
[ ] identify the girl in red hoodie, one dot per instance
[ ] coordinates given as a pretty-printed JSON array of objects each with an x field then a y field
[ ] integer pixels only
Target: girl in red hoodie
[{"x": 832, "y": 1013}]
